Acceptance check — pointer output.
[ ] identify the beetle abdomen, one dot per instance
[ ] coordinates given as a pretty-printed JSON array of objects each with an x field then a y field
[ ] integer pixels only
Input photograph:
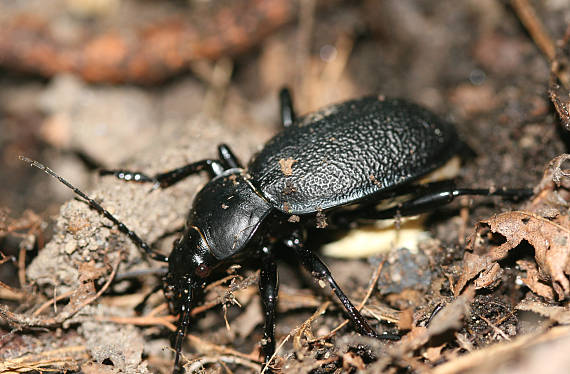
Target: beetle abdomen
[{"x": 347, "y": 152}]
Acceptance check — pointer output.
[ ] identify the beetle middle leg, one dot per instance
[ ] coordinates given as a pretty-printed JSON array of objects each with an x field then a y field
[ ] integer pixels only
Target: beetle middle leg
[{"x": 320, "y": 271}]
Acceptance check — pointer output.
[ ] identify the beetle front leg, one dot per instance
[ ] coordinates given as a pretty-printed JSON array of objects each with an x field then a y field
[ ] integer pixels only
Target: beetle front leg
[
  {"x": 268, "y": 288},
  {"x": 319, "y": 270},
  {"x": 183, "y": 322},
  {"x": 167, "y": 179}
]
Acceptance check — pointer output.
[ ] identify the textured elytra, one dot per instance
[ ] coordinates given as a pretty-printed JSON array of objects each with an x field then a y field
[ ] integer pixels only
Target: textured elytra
[{"x": 350, "y": 152}]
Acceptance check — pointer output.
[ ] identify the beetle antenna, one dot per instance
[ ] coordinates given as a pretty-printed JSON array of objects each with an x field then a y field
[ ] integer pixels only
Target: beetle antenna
[{"x": 95, "y": 205}]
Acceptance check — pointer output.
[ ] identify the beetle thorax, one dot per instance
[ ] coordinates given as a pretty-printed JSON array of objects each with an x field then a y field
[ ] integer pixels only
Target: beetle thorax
[{"x": 228, "y": 211}]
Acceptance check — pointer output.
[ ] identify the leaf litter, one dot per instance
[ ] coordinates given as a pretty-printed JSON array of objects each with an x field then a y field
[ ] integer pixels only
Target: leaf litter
[{"x": 543, "y": 224}]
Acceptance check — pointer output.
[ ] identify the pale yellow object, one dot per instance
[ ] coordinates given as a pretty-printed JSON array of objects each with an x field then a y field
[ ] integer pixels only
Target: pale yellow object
[{"x": 379, "y": 237}]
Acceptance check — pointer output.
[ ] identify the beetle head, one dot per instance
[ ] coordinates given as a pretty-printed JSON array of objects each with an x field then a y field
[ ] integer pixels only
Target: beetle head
[{"x": 189, "y": 265}]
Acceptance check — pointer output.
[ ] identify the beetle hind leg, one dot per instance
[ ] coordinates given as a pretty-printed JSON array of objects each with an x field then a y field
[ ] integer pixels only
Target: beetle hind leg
[
  {"x": 426, "y": 198},
  {"x": 319, "y": 270}
]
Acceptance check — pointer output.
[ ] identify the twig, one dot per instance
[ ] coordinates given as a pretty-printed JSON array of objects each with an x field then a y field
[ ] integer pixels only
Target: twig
[
  {"x": 4, "y": 258},
  {"x": 493, "y": 326},
  {"x": 223, "y": 280},
  {"x": 52, "y": 301},
  {"x": 196, "y": 365},
  {"x": 68, "y": 312},
  {"x": 158, "y": 309},
  {"x": 22, "y": 267},
  {"x": 535, "y": 28},
  {"x": 41, "y": 361},
  {"x": 165, "y": 321},
  {"x": 11, "y": 292}
]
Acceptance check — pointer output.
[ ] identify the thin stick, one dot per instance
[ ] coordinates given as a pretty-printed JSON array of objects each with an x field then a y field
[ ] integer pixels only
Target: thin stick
[
  {"x": 198, "y": 364},
  {"x": 535, "y": 28},
  {"x": 165, "y": 321},
  {"x": 22, "y": 267},
  {"x": 52, "y": 301},
  {"x": 104, "y": 288},
  {"x": 68, "y": 312}
]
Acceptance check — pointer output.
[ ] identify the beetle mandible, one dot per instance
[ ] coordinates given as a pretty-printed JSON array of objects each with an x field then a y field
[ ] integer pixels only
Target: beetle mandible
[{"x": 353, "y": 154}]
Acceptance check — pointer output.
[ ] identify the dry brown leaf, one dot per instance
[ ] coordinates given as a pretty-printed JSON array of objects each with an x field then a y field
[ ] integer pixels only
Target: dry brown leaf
[
  {"x": 533, "y": 281},
  {"x": 473, "y": 265},
  {"x": 433, "y": 354},
  {"x": 549, "y": 238},
  {"x": 518, "y": 353},
  {"x": 555, "y": 313},
  {"x": 352, "y": 360},
  {"x": 449, "y": 318},
  {"x": 406, "y": 321},
  {"x": 553, "y": 191}
]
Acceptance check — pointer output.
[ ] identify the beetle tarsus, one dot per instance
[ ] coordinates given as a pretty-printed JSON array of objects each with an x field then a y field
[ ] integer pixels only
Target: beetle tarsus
[{"x": 128, "y": 176}]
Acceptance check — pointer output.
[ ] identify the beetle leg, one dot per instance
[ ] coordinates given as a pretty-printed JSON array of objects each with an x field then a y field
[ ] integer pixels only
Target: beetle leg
[
  {"x": 428, "y": 197},
  {"x": 268, "y": 288},
  {"x": 286, "y": 107},
  {"x": 183, "y": 322},
  {"x": 167, "y": 179},
  {"x": 319, "y": 270},
  {"x": 229, "y": 160}
]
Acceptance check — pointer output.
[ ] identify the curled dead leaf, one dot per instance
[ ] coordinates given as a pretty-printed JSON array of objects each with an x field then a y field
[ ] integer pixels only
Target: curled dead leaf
[{"x": 550, "y": 239}]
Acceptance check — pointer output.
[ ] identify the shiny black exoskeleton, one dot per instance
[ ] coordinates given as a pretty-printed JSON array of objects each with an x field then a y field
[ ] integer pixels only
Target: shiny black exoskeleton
[{"x": 354, "y": 154}]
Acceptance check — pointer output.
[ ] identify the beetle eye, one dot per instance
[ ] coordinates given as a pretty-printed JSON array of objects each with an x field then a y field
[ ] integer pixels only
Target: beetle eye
[{"x": 202, "y": 270}]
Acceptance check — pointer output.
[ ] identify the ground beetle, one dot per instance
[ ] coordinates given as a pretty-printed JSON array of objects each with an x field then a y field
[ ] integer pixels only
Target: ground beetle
[{"x": 331, "y": 167}]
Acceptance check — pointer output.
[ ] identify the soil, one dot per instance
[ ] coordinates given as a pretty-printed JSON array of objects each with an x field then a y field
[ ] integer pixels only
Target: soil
[{"x": 465, "y": 298}]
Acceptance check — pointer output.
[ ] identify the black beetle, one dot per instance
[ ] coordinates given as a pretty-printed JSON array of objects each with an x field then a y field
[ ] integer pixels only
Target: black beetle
[{"x": 331, "y": 167}]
